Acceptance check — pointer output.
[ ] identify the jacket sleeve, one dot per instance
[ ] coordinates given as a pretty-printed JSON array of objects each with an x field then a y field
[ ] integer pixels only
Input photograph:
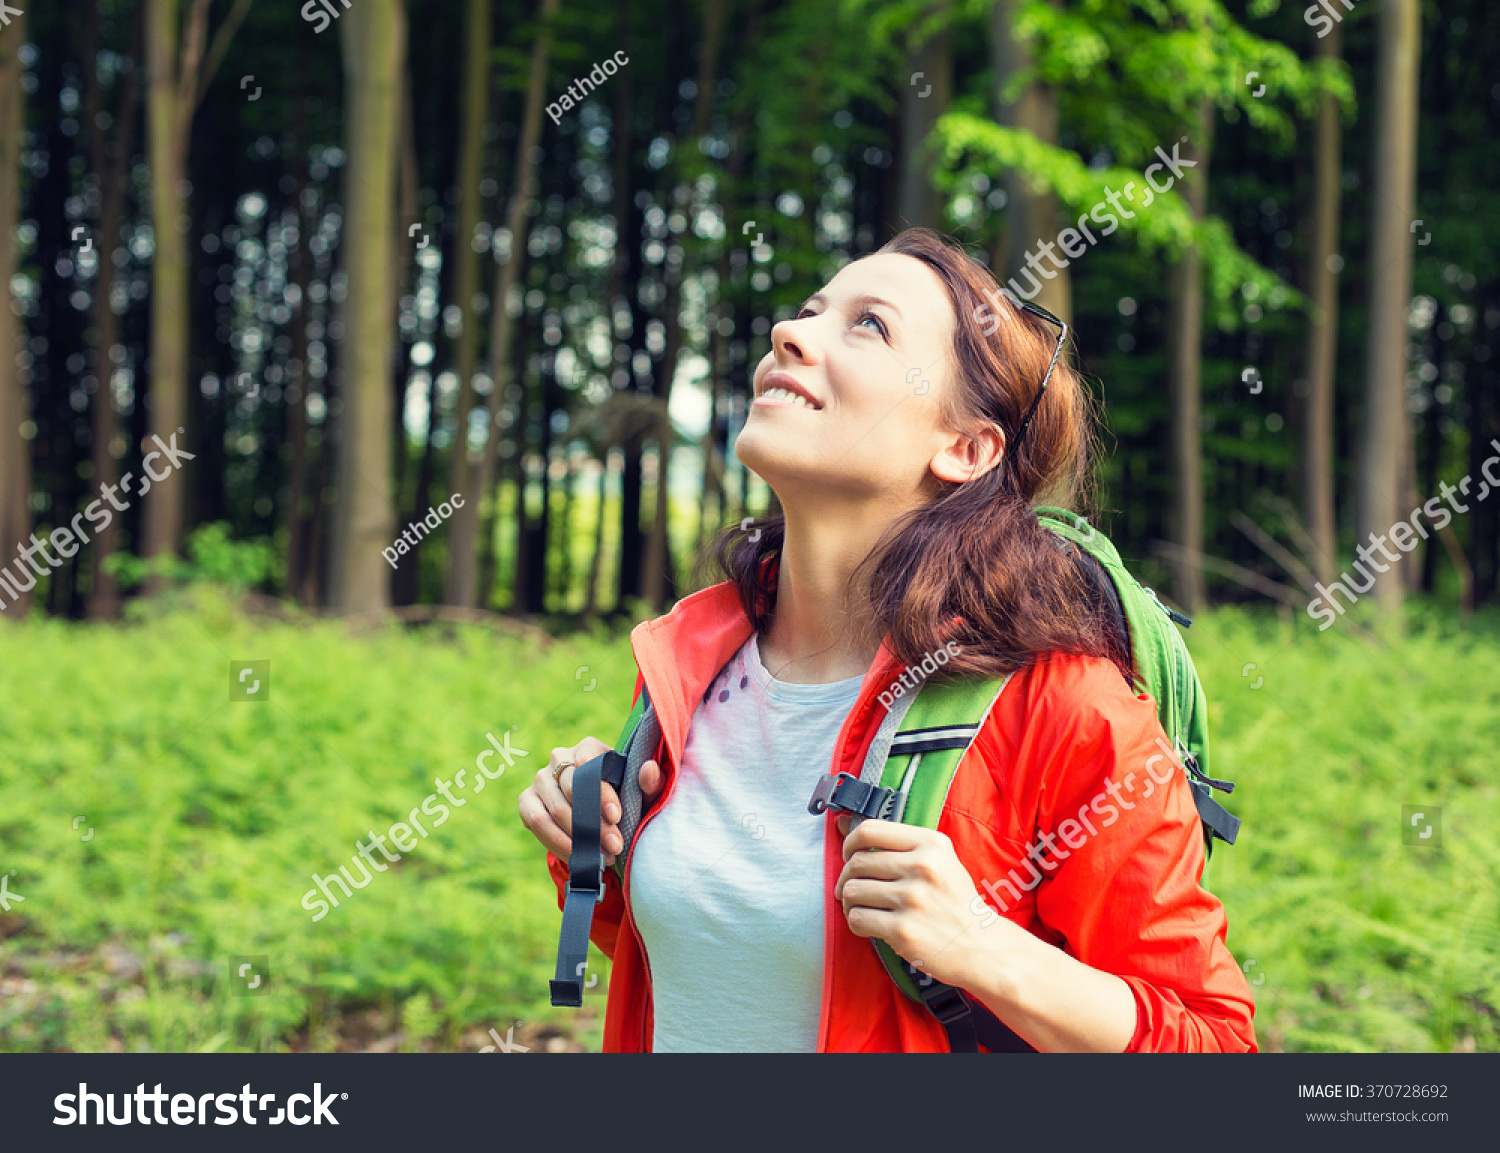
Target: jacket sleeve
[{"x": 1126, "y": 851}]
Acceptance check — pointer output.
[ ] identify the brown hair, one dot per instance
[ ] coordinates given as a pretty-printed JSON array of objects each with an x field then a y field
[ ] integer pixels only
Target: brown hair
[{"x": 976, "y": 549}]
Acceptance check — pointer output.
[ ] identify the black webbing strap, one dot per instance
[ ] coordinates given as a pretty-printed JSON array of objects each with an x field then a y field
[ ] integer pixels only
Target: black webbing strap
[
  {"x": 933, "y": 739},
  {"x": 848, "y": 794},
  {"x": 585, "y": 875},
  {"x": 1217, "y": 820},
  {"x": 967, "y": 1023}
]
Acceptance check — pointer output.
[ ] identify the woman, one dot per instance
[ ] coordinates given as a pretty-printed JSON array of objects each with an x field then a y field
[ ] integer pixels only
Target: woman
[{"x": 888, "y": 419}]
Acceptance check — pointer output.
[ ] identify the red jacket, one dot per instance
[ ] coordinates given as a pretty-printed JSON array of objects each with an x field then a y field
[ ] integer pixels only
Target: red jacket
[{"x": 1127, "y": 900}]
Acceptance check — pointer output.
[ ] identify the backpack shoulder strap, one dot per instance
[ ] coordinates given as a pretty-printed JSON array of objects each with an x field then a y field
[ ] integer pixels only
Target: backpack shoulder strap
[
  {"x": 933, "y": 737},
  {"x": 586, "y": 860}
]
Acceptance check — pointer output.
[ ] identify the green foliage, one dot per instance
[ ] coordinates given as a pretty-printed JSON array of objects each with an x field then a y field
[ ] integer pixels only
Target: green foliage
[
  {"x": 1162, "y": 221},
  {"x": 209, "y": 816},
  {"x": 1363, "y": 943},
  {"x": 215, "y": 559}
]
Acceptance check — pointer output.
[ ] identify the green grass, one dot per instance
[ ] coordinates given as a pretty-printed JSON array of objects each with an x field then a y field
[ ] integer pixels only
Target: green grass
[{"x": 210, "y": 815}]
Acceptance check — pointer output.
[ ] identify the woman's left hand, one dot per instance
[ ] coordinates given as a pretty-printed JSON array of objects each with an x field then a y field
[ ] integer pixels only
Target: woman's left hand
[{"x": 906, "y": 886}]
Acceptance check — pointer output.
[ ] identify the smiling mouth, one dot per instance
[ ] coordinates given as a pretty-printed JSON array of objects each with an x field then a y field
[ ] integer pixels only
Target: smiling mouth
[{"x": 777, "y": 396}]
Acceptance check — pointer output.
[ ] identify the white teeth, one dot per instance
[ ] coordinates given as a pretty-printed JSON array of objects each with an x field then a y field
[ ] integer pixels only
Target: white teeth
[{"x": 788, "y": 394}]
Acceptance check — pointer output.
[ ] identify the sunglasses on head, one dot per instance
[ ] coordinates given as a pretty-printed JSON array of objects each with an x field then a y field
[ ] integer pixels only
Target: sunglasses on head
[{"x": 1062, "y": 335}]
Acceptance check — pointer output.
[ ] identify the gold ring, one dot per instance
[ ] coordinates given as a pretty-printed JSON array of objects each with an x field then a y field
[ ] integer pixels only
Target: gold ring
[{"x": 557, "y": 772}]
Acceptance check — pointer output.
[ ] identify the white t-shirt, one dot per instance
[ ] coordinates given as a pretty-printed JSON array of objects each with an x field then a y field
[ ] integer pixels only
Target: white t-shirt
[{"x": 726, "y": 882}]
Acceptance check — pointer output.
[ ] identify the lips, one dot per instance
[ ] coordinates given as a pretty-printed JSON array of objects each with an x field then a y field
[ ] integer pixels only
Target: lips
[{"x": 781, "y": 389}]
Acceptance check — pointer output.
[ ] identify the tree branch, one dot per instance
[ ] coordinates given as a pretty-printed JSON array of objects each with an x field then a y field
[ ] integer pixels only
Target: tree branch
[
  {"x": 1274, "y": 549},
  {"x": 187, "y": 72},
  {"x": 220, "y": 46},
  {"x": 1177, "y": 554}
]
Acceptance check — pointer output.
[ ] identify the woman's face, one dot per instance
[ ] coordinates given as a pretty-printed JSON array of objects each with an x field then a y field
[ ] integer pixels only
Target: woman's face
[{"x": 871, "y": 354}]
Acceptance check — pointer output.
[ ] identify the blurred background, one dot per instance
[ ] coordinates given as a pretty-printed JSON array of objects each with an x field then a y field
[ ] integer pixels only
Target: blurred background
[{"x": 316, "y": 270}]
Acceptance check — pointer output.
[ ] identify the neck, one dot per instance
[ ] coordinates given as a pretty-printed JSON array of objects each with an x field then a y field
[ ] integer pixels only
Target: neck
[{"x": 820, "y": 631}]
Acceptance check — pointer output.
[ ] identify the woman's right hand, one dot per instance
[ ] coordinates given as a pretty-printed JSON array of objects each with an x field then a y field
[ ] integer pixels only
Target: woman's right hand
[{"x": 546, "y": 805}]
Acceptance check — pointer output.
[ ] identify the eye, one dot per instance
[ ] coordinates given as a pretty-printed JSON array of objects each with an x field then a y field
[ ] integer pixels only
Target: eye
[
  {"x": 870, "y": 317},
  {"x": 806, "y": 312}
]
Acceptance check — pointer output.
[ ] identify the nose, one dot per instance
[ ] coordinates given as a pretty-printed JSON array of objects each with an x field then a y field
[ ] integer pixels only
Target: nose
[{"x": 791, "y": 343}]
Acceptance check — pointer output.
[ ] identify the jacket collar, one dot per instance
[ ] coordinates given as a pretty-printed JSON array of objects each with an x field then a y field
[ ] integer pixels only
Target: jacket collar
[{"x": 679, "y": 655}]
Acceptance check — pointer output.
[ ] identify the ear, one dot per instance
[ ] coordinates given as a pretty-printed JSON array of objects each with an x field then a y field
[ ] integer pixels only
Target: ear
[{"x": 966, "y": 458}]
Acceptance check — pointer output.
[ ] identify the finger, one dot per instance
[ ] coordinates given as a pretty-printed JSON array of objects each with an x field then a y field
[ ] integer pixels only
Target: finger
[
  {"x": 556, "y": 797},
  {"x": 610, "y": 837},
  {"x": 581, "y": 754},
  {"x": 867, "y": 922},
  {"x": 861, "y": 893},
  {"x": 875, "y": 866},
  {"x": 651, "y": 778},
  {"x": 537, "y": 819},
  {"x": 609, "y": 805},
  {"x": 887, "y": 835}
]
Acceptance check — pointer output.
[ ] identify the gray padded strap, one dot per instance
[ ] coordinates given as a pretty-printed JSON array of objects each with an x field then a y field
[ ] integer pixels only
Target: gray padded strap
[
  {"x": 642, "y": 749},
  {"x": 880, "y": 748}
]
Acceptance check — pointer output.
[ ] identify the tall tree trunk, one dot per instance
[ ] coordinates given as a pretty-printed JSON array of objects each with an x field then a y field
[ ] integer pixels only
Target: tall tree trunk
[
  {"x": 476, "y": 76},
  {"x": 407, "y": 576},
  {"x": 1184, "y": 378},
  {"x": 464, "y": 528},
  {"x": 659, "y": 581},
  {"x": 1030, "y": 207},
  {"x": 404, "y": 242},
  {"x": 374, "y": 45},
  {"x": 181, "y": 68},
  {"x": 1322, "y": 329},
  {"x": 1385, "y": 434},
  {"x": 15, "y": 397},
  {"x": 715, "y": 444},
  {"x": 596, "y": 559},
  {"x": 111, "y": 165},
  {"x": 625, "y": 275},
  {"x": 1482, "y": 387},
  {"x": 298, "y": 379},
  {"x": 1432, "y": 452},
  {"x": 168, "y": 123},
  {"x": 919, "y": 202}
]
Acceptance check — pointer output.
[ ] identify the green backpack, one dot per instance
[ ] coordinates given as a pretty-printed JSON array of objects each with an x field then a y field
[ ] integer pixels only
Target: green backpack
[
  {"x": 945, "y": 716},
  {"x": 923, "y": 753}
]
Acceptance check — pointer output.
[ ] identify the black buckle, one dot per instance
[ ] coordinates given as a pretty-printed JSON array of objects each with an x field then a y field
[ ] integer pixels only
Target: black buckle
[
  {"x": 598, "y": 896},
  {"x": 946, "y": 1003},
  {"x": 823, "y": 791},
  {"x": 846, "y": 793}
]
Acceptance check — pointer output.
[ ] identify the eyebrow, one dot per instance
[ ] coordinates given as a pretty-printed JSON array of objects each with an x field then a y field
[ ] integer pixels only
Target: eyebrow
[{"x": 858, "y": 302}]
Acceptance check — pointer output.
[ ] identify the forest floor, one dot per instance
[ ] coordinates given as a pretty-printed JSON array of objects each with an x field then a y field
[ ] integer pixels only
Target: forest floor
[{"x": 160, "y": 830}]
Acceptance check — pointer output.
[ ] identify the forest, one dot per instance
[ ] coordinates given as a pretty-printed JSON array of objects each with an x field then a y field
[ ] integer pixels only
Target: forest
[
  {"x": 403, "y": 345},
  {"x": 281, "y": 232}
]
